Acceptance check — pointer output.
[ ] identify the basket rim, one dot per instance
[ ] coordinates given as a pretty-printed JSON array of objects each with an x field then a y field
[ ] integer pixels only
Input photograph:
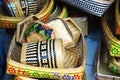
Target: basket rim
[
  {"x": 107, "y": 31},
  {"x": 117, "y": 15},
  {"x": 104, "y": 1}
]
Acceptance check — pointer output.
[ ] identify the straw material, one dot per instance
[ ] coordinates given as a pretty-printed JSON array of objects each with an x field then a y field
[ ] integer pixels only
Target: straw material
[
  {"x": 23, "y": 78},
  {"x": 16, "y": 68},
  {"x": 44, "y": 13},
  {"x": 114, "y": 65},
  {"x": 47, "y": 10},
  {"x": 11, "y": 22},
  {"x": 117, "y": 17},
  {"x": 27, "y": 78},
  {"x": 109, "y": 24},
  {"x": 46, "y": 53},
  {"x": 95, "y": 7}
]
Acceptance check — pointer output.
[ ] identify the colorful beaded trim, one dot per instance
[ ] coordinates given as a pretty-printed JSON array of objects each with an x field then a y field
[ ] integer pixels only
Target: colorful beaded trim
[
  {"x": 117, "y": 30},
  {"x": 41, "y": 74},
  {"x": 114, "y": 48}
]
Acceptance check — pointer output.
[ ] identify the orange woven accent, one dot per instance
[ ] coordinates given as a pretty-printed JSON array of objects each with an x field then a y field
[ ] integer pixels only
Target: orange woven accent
[
  {"x": 46, "y": 17},
  {"x": 7, "y": 24},
  {"x": 15, "y": 70},
  {"x": 17, "y": 78},
  {"x": 117, "y": 30},
  {"x": 78, "y": 76}
]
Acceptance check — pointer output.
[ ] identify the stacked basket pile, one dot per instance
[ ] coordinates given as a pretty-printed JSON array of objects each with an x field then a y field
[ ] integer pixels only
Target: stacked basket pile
[
  {"x": 111, "y": 29},
  {"x": 17, "y": 10},
  {"x": 68, "y": 64}
]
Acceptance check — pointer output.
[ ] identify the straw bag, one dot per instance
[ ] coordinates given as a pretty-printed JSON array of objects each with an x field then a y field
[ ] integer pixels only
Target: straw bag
[
  {"x": 95, "y": 7},
  {"x": 108, "y": 25},
  {"x": 16, "y": 68},
  {"x": 46, "y": 9}
]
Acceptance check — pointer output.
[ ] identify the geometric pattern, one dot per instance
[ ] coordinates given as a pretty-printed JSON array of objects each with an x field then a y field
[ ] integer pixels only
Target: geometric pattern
[
  {"x": 93, "y": 7},
  {"x": 114, "y": 48},
  {"x": 41, "y": 74},
  {"x": 41, "y": 54},
  {"x": 29, "y": 7}
]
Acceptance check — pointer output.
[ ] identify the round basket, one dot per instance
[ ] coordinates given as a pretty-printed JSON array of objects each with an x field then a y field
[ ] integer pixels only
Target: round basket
[
  {"x": 108, "y": 24},
  {"x": 11, "y": 22}
]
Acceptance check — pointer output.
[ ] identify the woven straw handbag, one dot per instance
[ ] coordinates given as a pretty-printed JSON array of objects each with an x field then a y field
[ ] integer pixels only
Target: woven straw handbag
[
  {"x": 95, "y": 7},
  {"x": 109, "y": 25},
  {"x": 15, "y": 67},
  {"x": 44, "y": 14}
]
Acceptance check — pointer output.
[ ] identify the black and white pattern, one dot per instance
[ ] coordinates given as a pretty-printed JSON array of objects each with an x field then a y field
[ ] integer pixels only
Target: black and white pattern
[
  {"x": 93, "y": 7},
  {"x": 29, "y": 7},
  {"x": 41, "y": 54},
  {"x": 32, "y": 7},
  {"x": 24, "y": 5}
]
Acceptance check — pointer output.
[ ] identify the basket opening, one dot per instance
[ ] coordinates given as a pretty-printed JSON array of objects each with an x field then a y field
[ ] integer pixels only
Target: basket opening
[{"x": 16, "y": 49}]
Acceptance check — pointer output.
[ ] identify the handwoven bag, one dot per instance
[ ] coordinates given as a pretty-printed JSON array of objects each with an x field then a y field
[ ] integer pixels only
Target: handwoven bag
[
  {"x": 109, "y": 25},
  {"x": 95, "y": 7},
  {"x": 16, "y": 68}
]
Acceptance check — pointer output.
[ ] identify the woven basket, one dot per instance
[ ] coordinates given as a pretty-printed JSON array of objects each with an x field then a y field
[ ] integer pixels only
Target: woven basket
[
  {"x": 16, "y": 68},
  {"x": 108, "y": 25},
  {"x": 114, "y": 65},
  {"x": 43, "y": 14},
  {"x": 117, "y": 30},
  {"x": 95, "y": 7}
]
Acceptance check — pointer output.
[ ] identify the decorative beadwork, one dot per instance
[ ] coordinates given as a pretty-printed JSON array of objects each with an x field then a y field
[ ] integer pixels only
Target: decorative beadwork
[
  {"x": 114, "y": 48},
  {"x": 117, "y": 30},
  {"x": 40, "y": 74}
]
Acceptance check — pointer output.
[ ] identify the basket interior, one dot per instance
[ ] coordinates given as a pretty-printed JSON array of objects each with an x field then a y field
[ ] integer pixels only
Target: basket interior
[{"x": 16, "y": 48}]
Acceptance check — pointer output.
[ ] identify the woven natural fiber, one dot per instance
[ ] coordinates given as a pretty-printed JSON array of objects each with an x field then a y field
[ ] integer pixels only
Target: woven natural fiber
[
  {"x": 44, "y": 14},
  {"x": 27, "y": 78},
  {"x": 114, "y": 65},
  {"x": 117, "y": 29},
  {"x": 11, "y": 22},
  {"x": 109, "y": 24},
  {"x": 14, "y": 66},
  {"x": 95, "y": 7}
]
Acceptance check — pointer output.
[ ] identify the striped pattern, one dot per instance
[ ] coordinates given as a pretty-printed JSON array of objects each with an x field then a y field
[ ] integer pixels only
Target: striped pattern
[
  {"x": 89, "y": 6},
  {"x": 41, "y": 54},
  {"x": 24, "y": 5},
  {"x": 32, "y": 7},
  {"x": 29, "y": 7}
]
